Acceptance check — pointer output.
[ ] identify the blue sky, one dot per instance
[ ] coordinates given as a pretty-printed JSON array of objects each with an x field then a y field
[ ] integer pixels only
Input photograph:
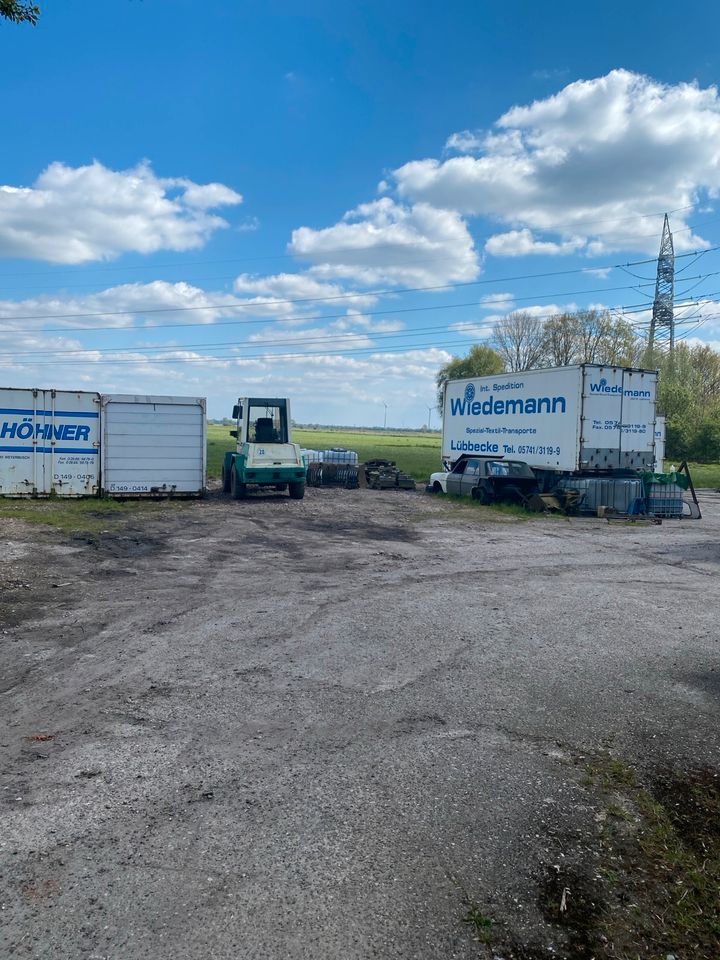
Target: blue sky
[{"x": 328, "y": 200}]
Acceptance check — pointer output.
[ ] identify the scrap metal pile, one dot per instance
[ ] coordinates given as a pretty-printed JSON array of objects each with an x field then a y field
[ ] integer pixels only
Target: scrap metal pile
[
  {"x": 340, "y": 468},
  {"x": 320, "y": 474},
  {"x": 384, "y": 475},
  {"x": 332, "y": 468}
]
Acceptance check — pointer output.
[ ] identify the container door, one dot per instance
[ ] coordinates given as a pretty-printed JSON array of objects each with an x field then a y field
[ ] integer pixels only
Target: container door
[
  {"x": 618, "y": 418},
  {"x": 602, "y": 418},
  {"x": 637, "y": 442},
  {"x": 21, "y": 467},
  {"x": 153, "y": 445},
  {"x": 71, "y": 443}
]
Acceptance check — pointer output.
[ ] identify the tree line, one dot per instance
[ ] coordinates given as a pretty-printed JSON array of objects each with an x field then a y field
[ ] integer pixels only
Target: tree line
[{"x": 688, "y": 386}]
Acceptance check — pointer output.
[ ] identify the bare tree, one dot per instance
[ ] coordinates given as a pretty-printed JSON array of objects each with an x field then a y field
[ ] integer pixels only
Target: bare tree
[
  {"x": 519, "y": 338},
  {"x": 591, "y": 336},
  {"x": 562, "y": 335},
  {"x": 594, "y": 334}
]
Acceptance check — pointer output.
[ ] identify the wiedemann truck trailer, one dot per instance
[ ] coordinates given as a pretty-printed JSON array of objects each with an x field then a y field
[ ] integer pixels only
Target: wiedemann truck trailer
[{"x": 586, "y": 419}]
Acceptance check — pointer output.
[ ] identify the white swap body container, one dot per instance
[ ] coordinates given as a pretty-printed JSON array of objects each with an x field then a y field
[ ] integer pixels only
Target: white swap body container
[
  {"x": 49, "y": 442},
  {"x": 587, "y": 418},
  {"x": 153, "y": 445}
]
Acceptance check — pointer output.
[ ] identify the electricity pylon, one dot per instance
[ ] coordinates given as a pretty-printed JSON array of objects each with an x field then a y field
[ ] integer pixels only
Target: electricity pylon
[{"x": 662, "y": 325}]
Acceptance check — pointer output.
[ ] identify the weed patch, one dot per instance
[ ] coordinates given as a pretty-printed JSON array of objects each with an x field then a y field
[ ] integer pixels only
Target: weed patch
[
  {"x": 644, "y": 885},
  {"x": 90, "y": 516},
  {"x": 481, "y": 924}
]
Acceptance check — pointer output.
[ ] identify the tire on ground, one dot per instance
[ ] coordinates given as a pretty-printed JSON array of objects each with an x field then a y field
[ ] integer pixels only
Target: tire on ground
[
  {"x": 297, "y": 490},
  {"x": 238, "y": 491},
  {"x": 482, "y": 496},
  {"x": 225, "y": 479}
]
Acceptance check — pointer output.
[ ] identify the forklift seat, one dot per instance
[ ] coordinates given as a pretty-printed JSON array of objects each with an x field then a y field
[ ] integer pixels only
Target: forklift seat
[{"x": 264, "y": 430}]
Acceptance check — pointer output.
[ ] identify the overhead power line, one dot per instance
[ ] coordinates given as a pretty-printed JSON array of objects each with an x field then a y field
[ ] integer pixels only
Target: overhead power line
[
  {"x": 356, "y": 295},
  {"x": 180, "y": 264},
  {"x": 457, "y": 329}
]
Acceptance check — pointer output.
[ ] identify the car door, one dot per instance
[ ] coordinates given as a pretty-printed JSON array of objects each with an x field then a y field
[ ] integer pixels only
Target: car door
[
  {"x": 470, "y": 477},
  {"x": 454, "y": 478}
]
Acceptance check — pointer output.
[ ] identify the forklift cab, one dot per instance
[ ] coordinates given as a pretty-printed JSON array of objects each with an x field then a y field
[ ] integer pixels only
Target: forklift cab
[{"x": 261, "y": 420}]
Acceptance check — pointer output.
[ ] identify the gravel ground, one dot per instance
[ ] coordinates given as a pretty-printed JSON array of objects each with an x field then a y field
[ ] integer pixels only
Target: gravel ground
[{"x": 321, "y": 729}]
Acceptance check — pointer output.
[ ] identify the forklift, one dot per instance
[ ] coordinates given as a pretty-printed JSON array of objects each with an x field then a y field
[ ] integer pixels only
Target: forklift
[{"x": 265, "y": 455}]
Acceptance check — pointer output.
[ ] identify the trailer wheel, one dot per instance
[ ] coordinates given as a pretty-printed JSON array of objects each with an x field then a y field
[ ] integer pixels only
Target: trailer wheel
[
  {"x": 238, "y": 491},
  {"x": 225, "y": 480},
  {"x": 297, "y": 490}
]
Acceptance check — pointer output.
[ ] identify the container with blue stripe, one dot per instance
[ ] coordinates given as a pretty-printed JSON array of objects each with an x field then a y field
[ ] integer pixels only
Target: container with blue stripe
[{"x": 49, "y": 442}]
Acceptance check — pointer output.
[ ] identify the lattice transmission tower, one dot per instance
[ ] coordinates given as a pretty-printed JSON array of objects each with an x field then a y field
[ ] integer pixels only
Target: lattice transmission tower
[{"x": 662, "y": 325}]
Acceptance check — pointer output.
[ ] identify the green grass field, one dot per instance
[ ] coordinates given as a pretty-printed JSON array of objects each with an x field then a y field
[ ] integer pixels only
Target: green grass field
[
  {"x": 704, "y": 475},
  {"x": 417, "y": 454}
]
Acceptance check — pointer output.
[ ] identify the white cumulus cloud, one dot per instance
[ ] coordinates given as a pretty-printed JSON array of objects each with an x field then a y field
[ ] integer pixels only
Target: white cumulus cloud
[
  {"x": 285, "y": 293},
  {"x": 391, "y": 243},
  {"x": 594, "y": 166},
  {"x": 79, "y": 214},
  {"x": 125, "y": 305}
]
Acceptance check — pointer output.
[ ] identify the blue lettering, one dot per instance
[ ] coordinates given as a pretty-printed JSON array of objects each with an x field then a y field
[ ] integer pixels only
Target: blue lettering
[
  {"x": 8, "y": 430},
  {"x": 511, "y": 407},
  {"x": 24, "y": 431},
  {"x": 467, "y": 446},
  {"x": 83, "y": 433},
  {"x": 604, "y": 387}
]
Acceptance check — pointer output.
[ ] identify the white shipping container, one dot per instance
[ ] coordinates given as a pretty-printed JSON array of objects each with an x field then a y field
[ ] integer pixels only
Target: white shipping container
[
  {"x": 586, "y": 417},
  {"x": 49, "y": 442},
  {"x": 153, "y": 445}
]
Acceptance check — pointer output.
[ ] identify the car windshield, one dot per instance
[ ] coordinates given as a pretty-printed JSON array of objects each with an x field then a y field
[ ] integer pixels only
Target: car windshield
[{"x": 508, "y": 468}]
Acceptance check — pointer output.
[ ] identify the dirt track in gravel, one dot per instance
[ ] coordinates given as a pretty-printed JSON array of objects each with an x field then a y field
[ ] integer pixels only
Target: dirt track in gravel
[{"x": 321, "y": 728}]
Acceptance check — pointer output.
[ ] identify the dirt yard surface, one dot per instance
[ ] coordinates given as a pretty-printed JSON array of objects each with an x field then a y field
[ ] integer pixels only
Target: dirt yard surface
[{"x": 365, "y": 724}]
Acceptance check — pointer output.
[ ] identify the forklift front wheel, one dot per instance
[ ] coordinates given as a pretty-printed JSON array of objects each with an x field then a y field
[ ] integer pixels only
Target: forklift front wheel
[{"x": 238, "y": 491}]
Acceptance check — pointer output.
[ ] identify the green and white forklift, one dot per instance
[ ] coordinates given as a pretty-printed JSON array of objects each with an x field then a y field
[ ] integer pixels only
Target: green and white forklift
[{"x": 265, "y": 454}]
